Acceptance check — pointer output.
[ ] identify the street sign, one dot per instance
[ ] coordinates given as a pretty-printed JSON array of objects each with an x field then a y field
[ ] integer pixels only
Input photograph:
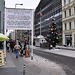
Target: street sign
[{"x": 18, "y": 19}]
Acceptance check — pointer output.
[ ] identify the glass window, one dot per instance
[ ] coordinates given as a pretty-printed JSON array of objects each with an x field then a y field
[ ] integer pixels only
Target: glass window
[
  {"x": 70, "y": 25},
  {"x": 65, "y": 13},
  {"x": 74, "y": 10},
  {"x": 74, "y": 24},
  {"x": 69, "y": 12},
  {"x": 64, "y": 2},
  {"x": 0, "y": 21},
  {"x": 69, "y": 1},
  {"x": 65, "y": 26}
]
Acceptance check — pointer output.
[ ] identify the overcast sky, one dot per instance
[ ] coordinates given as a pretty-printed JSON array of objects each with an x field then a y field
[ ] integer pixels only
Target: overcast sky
[{"x": 27, "y": 4}]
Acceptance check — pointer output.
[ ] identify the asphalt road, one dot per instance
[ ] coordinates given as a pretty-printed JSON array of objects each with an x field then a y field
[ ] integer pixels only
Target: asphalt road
[{"x": 67, "y": 63}]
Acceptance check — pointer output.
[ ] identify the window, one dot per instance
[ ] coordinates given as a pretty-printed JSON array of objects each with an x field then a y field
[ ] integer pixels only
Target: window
[
  {"x": 65, "y": 13},
  {"x": 70, "y": 25},
  {"x": 74, "y": 10},
  {"x": 65, "y": 26},
  {"x": 74, "y": 24},
  {"x": 69, "y": 1},
  {"x": 0, "y": 20},
  {"x": 64, "y": 2},
  {"x": 69, "y": 12}
]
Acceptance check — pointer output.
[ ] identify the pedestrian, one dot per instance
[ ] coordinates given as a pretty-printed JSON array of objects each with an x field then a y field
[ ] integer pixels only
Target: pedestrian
[
  {"x": 20, "y": 45},
  {"x": 1, "y": 45},
  {"x": 12, "y": 45},
  {"x": 24, "y": 48},
  {"x": 8, "y": 46},
  {"x": 17, "y": 48},
  {"x": 14, "y": 42},
  {"x": 25, "y": 45}
]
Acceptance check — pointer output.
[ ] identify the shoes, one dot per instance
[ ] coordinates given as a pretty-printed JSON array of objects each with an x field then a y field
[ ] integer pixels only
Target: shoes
[{"x": 16, "y": 56}]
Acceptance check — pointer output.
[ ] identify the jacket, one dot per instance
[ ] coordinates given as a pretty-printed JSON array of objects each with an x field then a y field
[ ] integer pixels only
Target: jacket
[{"x": 17, "y": 47}]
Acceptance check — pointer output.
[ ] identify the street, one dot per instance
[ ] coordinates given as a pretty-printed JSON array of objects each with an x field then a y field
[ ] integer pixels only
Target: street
[
  {"x": 43, "y": 63},
  {"x": 37, "y": 66},
  {"x": 67, "y": 63}
]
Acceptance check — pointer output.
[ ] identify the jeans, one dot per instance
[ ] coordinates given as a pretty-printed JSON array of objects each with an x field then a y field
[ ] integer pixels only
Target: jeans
[{"x": 17, "y": 52}]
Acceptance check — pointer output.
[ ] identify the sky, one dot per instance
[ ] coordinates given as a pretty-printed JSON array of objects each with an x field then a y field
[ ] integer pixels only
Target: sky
[{"x": 27, "y": 4}]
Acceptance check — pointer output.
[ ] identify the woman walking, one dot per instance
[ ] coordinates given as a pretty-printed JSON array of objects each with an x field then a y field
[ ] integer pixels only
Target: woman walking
[{"x": 17, "y": 48}]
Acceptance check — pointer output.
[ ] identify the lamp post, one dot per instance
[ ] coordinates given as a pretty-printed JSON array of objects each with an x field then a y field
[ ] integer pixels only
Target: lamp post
[
  {"x": 17, "y": 4},
  {"x": 15, "y": 7}
]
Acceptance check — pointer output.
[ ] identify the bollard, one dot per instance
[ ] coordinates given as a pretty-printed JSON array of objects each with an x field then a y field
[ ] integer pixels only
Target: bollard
[{"x": 24, "y": 69}]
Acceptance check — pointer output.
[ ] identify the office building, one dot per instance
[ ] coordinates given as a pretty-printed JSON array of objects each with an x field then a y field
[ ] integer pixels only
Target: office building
[
  {"x": 68, "y": 21},
  {"x": 49, "y": 9}
]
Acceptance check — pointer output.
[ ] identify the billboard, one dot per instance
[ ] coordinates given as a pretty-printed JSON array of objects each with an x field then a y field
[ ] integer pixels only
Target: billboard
[{"x": 18, "y": 19}]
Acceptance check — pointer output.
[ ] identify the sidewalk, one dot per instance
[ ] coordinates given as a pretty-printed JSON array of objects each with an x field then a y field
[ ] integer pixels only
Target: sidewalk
[
  {"x": 67, "y": 47},
  {"x": 62, "y": 51},
  {"x": 9, "y": 68}
]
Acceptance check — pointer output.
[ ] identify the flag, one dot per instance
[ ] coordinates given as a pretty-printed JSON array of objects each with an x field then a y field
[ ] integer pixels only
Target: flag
[{"x": 40, "y": 13}]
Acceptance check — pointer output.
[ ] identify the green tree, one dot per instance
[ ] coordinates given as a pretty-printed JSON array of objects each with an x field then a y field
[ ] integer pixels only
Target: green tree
[{"x": 52, "y": 35}]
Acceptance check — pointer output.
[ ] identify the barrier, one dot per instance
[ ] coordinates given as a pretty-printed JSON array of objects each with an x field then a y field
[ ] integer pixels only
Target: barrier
[
  {"x": 27, "y": 52},
  {"x": 24, "y": 69},
  {"x": 2, "y": 63}
]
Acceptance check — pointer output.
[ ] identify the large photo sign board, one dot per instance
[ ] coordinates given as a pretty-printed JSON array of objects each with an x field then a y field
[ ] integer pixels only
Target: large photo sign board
[{"x": 18, "y": 19}]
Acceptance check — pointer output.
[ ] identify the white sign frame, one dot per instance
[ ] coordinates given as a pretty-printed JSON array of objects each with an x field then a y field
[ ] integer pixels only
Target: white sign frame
[{"x": 19, "y": 19}]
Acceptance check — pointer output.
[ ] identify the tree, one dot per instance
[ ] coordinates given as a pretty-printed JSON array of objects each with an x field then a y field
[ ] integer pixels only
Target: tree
[{"x": 52, "y": 35}]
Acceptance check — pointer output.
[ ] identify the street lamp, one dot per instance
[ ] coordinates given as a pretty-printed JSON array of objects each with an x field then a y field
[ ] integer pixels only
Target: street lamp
[{"x": 17, "y": 4}]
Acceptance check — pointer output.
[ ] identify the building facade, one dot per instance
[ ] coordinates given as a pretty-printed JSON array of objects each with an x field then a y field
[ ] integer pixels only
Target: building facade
[
  {"x": 49, "y": 9},
  {"x": 2, "y": 6},
  {"x": 68, "y": 21}
]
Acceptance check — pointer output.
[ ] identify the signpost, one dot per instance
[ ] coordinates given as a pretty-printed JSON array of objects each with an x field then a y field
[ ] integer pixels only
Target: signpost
[{"x": 19, "y": 19}]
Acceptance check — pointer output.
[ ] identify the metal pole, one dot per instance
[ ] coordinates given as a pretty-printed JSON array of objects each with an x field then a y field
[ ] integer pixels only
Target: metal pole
[
  {"x": 40, "y": 22},
  {"x": 17, "y": 4},
  {"x": 29, "y": 40},
  {"x": 5, "y": 34},
  {"x": 32, "y": 34},
  {"x": 24, "y": 69},
  {"x": 15, "y": 30},
  {"x": 40, "y": 25}
]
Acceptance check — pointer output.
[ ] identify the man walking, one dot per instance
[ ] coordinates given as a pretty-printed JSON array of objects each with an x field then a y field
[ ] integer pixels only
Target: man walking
[{"x": 17, "y": 47}]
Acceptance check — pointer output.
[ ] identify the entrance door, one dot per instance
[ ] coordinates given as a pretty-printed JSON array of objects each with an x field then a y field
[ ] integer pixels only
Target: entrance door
[{"x": 68, "y": 40}]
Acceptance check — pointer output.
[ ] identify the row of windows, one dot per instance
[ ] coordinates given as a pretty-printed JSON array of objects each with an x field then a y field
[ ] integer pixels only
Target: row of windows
[
  {"x": 65, "y": 1},
  {"x": 69, "y": 12},
  {"x": 70, "y": 25},
  {"x": 52, "y": 9}
]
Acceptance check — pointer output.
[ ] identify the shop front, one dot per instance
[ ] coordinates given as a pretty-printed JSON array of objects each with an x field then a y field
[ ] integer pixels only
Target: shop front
[{"x": 68, "y": 40}]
